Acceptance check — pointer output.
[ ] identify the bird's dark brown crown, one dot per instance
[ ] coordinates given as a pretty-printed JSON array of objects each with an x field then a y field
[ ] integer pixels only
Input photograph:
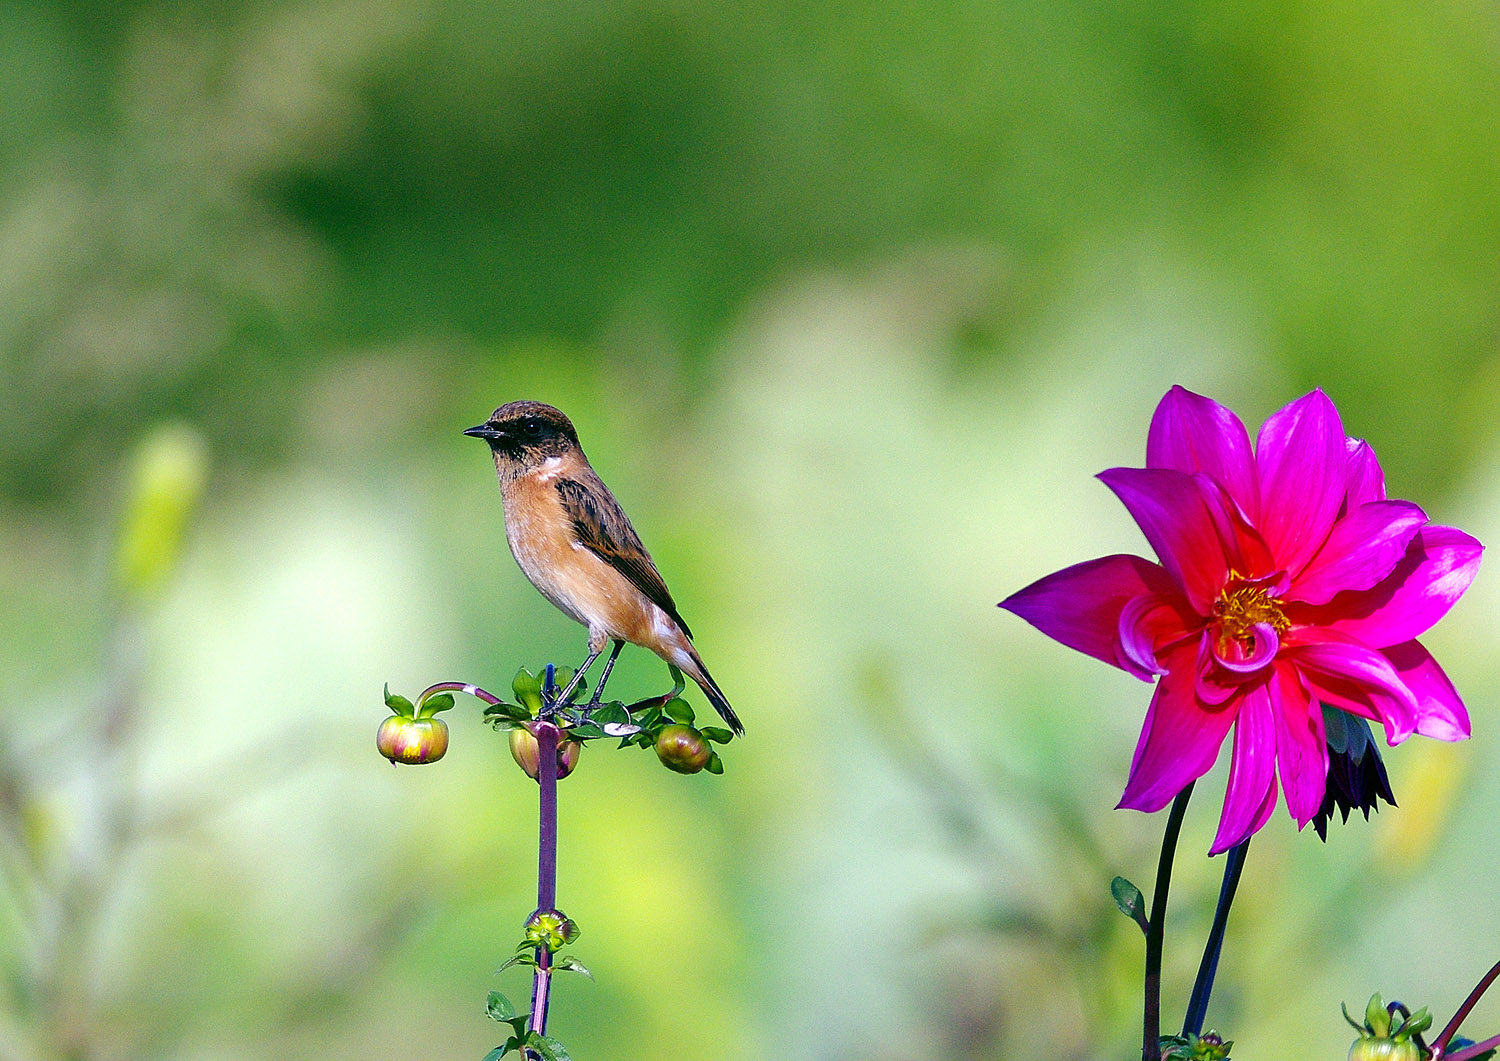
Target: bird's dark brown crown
[{"x": 527, "y": 431}]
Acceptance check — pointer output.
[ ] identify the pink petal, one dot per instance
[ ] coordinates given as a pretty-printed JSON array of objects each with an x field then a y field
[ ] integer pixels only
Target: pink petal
[
  {"x": 1174, "y": 512},
  {"x": 1150, "y": 621},
  {"x": 1363, "y": 548},
  {"x": 1442, "y": 716},
  {"x": 1366, "y": 479},
  {"x": 1439, "y": 564},
  {"x": 1301, "y": 746},
  {"x": 1080, "y": 606},
  {"x": 1180, "y": 739},
  {"x": 1191, "y": 433},
  {"x": 1343, "y": 673},
  {"x": 1303, "y": 475},
  {"x": 1264, "y": 645},
  {"x": 1251, "y": 795},
  {"x": 1213, "y": 685}
]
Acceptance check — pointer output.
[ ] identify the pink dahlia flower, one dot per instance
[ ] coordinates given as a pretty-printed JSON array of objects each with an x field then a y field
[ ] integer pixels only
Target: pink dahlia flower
[{"x": 1286, "y": 581}]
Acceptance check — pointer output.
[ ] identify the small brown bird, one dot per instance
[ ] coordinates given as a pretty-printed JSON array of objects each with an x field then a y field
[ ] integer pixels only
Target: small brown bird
[{"x": 575, "y": 544}]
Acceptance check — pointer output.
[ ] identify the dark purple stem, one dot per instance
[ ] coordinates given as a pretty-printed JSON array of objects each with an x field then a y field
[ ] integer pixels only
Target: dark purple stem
[
  {"x": 1151, "y": 1022},
  {"x": 1203, "y": 986},
  {"x": 546, "y": 858},
  {"x": 1440, "y": 1044}
]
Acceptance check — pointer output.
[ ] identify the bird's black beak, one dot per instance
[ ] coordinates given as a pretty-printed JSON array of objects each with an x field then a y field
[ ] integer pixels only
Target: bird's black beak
[{"x": 487, "y": 432}]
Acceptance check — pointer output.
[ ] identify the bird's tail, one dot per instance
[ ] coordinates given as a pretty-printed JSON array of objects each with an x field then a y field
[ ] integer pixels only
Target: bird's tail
[{"x": 699, "y": 673}]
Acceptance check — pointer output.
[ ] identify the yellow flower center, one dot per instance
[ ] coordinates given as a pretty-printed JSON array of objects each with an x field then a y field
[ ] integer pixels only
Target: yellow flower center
[{"x": 1242, "y": 606}]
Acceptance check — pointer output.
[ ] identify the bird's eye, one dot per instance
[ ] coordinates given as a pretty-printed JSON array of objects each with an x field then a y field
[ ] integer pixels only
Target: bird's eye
[{"x": 532, "y": 427}]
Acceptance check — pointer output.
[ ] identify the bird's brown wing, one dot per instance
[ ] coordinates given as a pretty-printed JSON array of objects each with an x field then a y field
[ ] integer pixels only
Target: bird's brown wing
[{"x": 603, "y": 528}]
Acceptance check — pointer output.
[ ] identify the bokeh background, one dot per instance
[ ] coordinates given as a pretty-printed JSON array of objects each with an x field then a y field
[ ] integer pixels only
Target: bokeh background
[{"x": 849, "y": 302}]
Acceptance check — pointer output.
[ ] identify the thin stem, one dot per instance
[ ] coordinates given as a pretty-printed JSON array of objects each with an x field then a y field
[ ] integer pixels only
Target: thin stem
[
  {"x": 547, "y": 735},
  {"x": 458, "y": 687},
  {"x": 1203, "y": 986},
  {"x": 1440, "y": 1044},
  {"x": 1471, "y": 1051},
  {"x": 1151, "y": 1022}
]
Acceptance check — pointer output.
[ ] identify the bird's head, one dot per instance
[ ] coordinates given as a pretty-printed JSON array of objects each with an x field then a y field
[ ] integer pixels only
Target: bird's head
[{"x": 522, "y": 435}]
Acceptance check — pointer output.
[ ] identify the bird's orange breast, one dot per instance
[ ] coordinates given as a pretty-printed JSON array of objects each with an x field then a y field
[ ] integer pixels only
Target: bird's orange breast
[{"x": 570, "y": 575}]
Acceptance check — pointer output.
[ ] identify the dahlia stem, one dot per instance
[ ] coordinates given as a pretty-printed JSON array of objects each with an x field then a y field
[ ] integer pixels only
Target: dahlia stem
[
  {"x": 546, "y": 860},
  {"x": 1440, "y": 1044},
  {"x": 1471, "y": 1051},
  {"x": 1151, "y": 1022},
  {"x": 1203, "y": 986}
]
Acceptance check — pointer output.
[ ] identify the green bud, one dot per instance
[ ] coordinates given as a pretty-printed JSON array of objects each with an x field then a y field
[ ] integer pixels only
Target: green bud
[
  {"x": 682, "y": 748},
  {"x": 525, "y": 750},
  {"x": 528, "y": 690},
  {"x": 551, "y": 929},
  {"x": 1380, "y": 1041},
  {"x": 413, "y": 741}
]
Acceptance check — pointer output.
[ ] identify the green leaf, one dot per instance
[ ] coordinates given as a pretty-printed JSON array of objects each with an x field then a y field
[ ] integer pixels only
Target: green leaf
[
  {"x": 678, "y": 710},
  {"x": 513, "y": 712},
  {"x": 433, "y": 704},
  {"x": 398, "y": 703},
  {"x": 716, "y": 734},
  {"x": 715, "y": 764},
  {"x": 1130, "y": 901},
  {"x": 498, "y": 1007},
  {"x": 519, "y": 959},
  {"x": 585, "y": 731},
  {"x": 528, "y": 689},
  {"x": 612, "y": 712},
  {"x": 497, "y": 1053},
  {"x": 677, "y": 682},
  {"x": 571, "y": 964},
  {"x": 549, "y": 1048}
]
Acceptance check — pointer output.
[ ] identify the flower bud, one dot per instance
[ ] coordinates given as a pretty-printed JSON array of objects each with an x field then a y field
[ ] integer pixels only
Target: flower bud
[
  {"x": 525, "y": 751},
  {"x": 412, "y": 740},
  {"x": 551, "y": 929},
  {"x": 682, "y": 748}
]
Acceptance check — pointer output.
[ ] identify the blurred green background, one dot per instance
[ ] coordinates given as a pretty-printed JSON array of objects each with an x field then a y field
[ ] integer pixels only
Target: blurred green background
[{"x": 848, "y": 303}]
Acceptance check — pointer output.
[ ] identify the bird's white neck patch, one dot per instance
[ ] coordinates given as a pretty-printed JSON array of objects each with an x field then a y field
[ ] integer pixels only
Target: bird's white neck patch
[{"x": 550, "y": 469}]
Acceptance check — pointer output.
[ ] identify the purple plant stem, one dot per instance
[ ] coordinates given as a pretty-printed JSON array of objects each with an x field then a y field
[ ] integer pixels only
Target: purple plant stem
[
  {"x": 1470, "y": 1051},
  {"x": 1151, "y": 1021},
  {"x": 458, "y": 687},
  {"x": 546, "y": 856},
  {"x": 1440, "y": 1044}
]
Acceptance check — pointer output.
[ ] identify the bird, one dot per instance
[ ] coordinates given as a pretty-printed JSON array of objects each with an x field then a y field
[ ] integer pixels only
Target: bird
[{"x": 575, "y": 544}]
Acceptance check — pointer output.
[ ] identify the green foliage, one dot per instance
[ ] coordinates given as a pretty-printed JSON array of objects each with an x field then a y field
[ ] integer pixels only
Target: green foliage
[{"x": 1130, "y": 901}]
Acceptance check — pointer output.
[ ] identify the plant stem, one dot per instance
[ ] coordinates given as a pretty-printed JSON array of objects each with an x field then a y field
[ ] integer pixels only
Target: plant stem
[
  {"x": 546, "y": 859},
  {"x": 1471, "y": 1051},
  {"x": 458, "y": 687},
  {"x": 1440, "y": 1044},
  {"x": 1203, "y": 986},
  {"x": 1151, "y": 1022}
]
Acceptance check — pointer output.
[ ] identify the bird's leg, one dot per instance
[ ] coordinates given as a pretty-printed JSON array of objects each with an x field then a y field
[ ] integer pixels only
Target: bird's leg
[
  {"x": 609, "y": 665},
  {"x": 562, "y": 698}
]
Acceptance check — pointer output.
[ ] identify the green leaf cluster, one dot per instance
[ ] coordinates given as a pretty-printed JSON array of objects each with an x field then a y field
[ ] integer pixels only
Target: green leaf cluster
[
  {"x": 499, "y": 1009},
  {"x": 1207, "y": 1047},
  {"x": 426, "y": 708}
]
